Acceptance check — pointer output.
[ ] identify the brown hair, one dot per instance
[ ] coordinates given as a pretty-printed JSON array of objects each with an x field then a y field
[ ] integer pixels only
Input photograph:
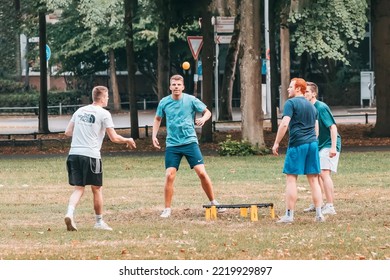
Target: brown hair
[
  {"x": 313, "y": 87},
  {"x": 176, "y": 78},
  {"x": 98, "y": 91},
  {"x": 299, "y": 82}
]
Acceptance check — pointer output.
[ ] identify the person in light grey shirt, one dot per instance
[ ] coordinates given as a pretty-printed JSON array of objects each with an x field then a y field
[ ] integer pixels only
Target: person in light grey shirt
[{"x": 87, "y": 128}]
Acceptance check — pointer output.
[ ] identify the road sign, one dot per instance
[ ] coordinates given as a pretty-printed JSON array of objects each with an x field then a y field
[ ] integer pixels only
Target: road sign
[
  {"x": 223, "y": 39},
  {"x": 224, "y": 25},
  {"x": 195, "y": 43},
  {"x": 48, "y": 53}
]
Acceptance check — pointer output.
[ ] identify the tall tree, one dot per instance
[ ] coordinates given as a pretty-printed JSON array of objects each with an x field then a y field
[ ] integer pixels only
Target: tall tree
[
  {"x": 284, "y": 54},
  {"x": 8, "y": 31},
  {"x": 114, "y": 81},
  {"x": 226, "y": 94},
  {"x": 104, "y": 21},
  {"x": 18, "y": 66},
  {"x": 275, "y": 79},
  {"x": 207, "y": 63},
  {"x": 381, "y": 55},
  {"x": 163, "y": 59},
  {"x": 252, "y": 115},
  {"x": 131, "y": 67}
]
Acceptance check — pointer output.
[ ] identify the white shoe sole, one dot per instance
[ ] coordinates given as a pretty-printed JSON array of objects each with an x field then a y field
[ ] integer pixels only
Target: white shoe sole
[{"x": 69, "y": 225}]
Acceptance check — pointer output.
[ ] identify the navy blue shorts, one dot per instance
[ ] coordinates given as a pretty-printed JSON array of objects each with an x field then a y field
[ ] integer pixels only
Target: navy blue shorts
[
  {"x": 303, "y": 159},
  {"x": 84, "y": 171},
  {"x": 174, "y": 154}
]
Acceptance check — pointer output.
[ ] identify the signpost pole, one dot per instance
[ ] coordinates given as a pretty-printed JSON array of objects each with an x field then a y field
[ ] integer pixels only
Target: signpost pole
[{"x": 48, "y": 55}]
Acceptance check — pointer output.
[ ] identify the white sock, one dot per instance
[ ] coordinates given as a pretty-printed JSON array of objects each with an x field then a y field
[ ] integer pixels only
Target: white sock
[
  {"x": 290, "y": 213},
  {"x": 329, "y": 204},
  {"x": 70, "y": 212},
  {"x": 214, "y": 202},
  {"x": 99, "y": 218},
  {"x": 318, "y": 211}
]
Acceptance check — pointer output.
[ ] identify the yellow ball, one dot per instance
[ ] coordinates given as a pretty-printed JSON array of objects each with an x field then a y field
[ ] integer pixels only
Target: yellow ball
[{"x": 186, "y": 65}]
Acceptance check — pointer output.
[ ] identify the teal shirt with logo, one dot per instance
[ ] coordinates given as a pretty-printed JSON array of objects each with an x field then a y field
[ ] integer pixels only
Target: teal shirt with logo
[
  {"x": 180, "y": 116},
  {"x": 325, "y": 121}
]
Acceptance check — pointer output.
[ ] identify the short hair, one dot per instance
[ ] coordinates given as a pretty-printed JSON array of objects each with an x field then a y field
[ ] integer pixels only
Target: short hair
[
  {"x": 176, "y": 78},
  {"x": 299, "y": 82},
  {"x": 313, "y": 87},
  {"x": 98, "y": 91}
]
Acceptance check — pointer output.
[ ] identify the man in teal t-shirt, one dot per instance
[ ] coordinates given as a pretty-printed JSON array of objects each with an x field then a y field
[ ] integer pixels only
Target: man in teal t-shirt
[
  {"x": 180, "y": 110},
  {"x": 329, "y": 146}
]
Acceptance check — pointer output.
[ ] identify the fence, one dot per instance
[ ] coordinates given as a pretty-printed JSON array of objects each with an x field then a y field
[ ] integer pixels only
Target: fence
[{"x": 143, "y": 105}]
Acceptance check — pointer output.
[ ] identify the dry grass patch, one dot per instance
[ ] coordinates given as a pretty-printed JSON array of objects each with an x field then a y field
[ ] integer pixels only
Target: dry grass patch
[{"x": 34, "y": 195}]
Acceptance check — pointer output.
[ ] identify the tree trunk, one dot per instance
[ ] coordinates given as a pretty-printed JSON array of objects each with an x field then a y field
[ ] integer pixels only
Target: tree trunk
[
  {"x": 18, "y": 66},
  {"x": 284, "y": 56},
  {"x": 114, "y": 82},
  {"x": 230, "y": 72},
  {"x": 128, "y": 25},
  {"x": 275, "y": 79},
  {"x": 250, "y": 52},
  {"x": 43, "y": 113},
  {"x": 207, "y": 64},
  {"x": 381, "y": 57},
  {"x": 164, "y": 57}
]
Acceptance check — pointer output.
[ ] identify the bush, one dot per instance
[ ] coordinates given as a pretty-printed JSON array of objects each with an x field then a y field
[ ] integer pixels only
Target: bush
[
  {"x": 9, "y": 86},
  {"x": 31, "y": 99},
  {"x": 231, "y": 147}
]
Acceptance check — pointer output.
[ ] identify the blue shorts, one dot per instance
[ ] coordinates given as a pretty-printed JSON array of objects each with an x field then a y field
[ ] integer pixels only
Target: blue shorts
[
  {"x": 302, "y": 160},
  {"x": 174, "y": 154}
]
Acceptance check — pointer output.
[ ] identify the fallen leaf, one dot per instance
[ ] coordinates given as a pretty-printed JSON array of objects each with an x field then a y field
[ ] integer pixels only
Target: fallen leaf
[{"x": 124, "y": 252}]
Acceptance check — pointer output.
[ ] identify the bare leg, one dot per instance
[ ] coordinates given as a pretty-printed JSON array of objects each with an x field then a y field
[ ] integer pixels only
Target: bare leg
[
  {"x": 97, "y": 199},
  {"x": 205, "y": 180},
  {"x": 315, "y": 189},
  {"x": 73, "y": 201},
  {"x": 76, "y": 196},
  {"x": 170, "y": 176},
  {"x": 328, "y": 185},
  {"x": 291, "y": 191}
]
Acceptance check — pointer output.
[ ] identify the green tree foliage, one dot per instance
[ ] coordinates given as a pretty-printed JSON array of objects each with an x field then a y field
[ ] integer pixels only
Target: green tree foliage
[
  {"x": 73, "y": 46},
  {"x": 328, "y": 28},
  {"x": 8, "y": 31}
]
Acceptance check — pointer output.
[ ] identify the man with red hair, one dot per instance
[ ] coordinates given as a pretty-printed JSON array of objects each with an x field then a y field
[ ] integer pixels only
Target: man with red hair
[{"x": 300, "y": 118}]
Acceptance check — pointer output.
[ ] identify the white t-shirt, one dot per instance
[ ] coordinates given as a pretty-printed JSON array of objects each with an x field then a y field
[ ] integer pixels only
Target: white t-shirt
[{"x": 90, "y": 124}]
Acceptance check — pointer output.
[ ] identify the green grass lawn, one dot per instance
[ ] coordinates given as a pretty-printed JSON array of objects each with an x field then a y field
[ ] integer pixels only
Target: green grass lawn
[{"x": 34, "y": 194}]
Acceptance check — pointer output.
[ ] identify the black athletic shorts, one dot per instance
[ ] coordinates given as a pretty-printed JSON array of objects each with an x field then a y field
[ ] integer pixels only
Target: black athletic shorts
[{"x": 84, "y": 171}]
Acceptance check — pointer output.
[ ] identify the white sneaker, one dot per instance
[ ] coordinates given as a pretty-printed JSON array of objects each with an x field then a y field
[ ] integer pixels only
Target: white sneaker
[
  {"x": 166, "y": 213},
  {"x": 285, "y": 219},
  {"x": 102, "y": 225},
  {"x": 70, "y": 224},
  {"x": 328, "y": 210},
  {"x": 311, "y": 208},
  {"x": 219, "y": 210},
  {"x": 320, "y": 219}
]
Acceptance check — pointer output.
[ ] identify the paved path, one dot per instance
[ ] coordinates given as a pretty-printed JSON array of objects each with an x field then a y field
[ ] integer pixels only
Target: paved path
[{"x": 10, "y": 124}]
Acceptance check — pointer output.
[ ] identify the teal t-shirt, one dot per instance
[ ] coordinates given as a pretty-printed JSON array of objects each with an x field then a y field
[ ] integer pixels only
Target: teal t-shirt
[
  {"x": 303, "y": 119},
  {"x": 325, "y": 120},
  {"x": 180, "y": 117}
]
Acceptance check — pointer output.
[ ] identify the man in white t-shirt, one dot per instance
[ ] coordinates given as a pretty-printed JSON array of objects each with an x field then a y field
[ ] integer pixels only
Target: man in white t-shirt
[{"x": 87, "y": 129}]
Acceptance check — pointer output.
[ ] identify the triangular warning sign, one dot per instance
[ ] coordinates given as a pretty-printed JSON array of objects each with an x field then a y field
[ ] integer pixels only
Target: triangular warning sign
[{"x": 195, "y": 43}]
